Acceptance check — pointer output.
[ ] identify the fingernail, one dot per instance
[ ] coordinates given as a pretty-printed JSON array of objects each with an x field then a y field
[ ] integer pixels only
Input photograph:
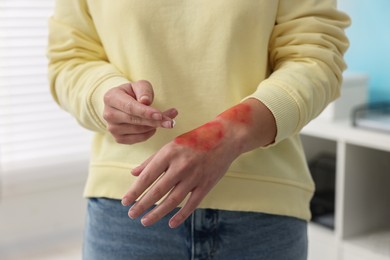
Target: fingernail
[
  {"x": 132, "y": 214},
  {"x": 172, "y": 224},
  {"x": 157, "y": 116},
  {"x": 145, "y": 221},
  {"x": 167, "y": 124},
  {"x": 125, "y": 202}
]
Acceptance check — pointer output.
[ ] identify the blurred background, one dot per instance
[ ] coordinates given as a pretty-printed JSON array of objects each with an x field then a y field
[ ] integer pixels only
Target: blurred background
[
  {"x": 370, "y": 44},
  {"x": 44, "y": 153}
]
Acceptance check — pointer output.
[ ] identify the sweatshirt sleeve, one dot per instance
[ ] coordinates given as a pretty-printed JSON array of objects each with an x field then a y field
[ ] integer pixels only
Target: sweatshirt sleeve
[
  {"x": 306, "y": 58},
  {"x": 79, "y": 70}
]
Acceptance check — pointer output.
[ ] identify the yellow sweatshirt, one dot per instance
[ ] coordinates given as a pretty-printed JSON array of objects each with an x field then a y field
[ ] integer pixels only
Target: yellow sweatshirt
[{"x": 202, "y": 57}]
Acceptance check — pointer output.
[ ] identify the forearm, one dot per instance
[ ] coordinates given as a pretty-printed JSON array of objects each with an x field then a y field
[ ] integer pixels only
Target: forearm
[
  {"x": 239, "y": 129},
  {"x": 256, "y": 129}
]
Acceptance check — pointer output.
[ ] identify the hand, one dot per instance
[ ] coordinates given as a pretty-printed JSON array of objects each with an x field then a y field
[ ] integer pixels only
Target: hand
[
  {"x": 189, "y": 166},
  {"x": 130, "y": 117}
]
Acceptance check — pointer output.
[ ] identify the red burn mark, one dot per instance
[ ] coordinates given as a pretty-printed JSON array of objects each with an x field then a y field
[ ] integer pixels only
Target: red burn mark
[
  {"x": 203, "y": 138},
  {"x": 241, "y": 113}
]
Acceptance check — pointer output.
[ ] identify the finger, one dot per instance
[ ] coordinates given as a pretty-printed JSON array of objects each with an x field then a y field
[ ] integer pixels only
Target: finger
[
  {"x": 116, "y": 116},
  {"x": 128, "y": 129},
  {"x": 189, "y": 207},
  {"x": 143, "y": 91},
  {"x": 124, "y": 102},
  {"x": 151, "y": 173},
  {"x": 160, "y": 189},
  {"x": 138, "y": 170},
  {"x": 170, "y": 113},
  {"x": 134, "y": 138},
  {"x": 174, "y": 198},
  {"x": 168, "y": 118}
]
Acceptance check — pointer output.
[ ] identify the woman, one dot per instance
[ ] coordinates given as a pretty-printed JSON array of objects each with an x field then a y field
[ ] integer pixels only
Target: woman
[{"x": 229, "y": 180}]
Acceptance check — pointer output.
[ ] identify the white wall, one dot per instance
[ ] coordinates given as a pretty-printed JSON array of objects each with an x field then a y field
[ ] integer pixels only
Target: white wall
[{"x": 42, "y": 212}]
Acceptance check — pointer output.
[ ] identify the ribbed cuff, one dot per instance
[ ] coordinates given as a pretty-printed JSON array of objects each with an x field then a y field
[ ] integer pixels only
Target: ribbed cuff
[{"x": 283, "y": 106}]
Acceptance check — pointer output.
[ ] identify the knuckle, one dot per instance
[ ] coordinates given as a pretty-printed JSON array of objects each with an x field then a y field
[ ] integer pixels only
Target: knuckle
[
  {"x": 110, "y": 128},
  {"x": 113, "y": 129},
  {"x": 145, "y": 179},
  {"x": 129, "y": 107},
  {"x": 143, "y": 82},
  {"x": 140, "y": 207},
  {"x": 173, "y": 200},
  {"x": 133, "y": 194},
  {"x": 156, "y": 193},
  {"x": 107, "y": 97},
  {"x": 135, "y": 120},
  {"x": 107, "y": 115}
]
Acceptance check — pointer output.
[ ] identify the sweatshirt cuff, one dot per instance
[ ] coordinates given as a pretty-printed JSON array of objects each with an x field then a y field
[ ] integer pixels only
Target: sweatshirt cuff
[{"x": 281, "y": 102}]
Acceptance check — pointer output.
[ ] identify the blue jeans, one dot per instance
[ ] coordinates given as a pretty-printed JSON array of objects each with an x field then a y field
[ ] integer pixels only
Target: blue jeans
[{"x": 208, "y": 234}]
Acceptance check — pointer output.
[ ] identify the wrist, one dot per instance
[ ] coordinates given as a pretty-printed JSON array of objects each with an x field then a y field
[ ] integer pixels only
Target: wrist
[{"x": 248, "y": 125}]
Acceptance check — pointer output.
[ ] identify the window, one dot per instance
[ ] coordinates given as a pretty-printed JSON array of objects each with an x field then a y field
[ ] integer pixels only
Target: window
[{"x": 36, "y": 136}]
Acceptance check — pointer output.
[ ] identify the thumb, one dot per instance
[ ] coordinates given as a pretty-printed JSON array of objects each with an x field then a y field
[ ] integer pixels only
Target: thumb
[{"x": 143, "y": 91}]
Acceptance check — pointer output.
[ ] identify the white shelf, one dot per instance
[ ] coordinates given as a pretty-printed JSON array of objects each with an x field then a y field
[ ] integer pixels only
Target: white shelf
[
  {"x": 322, "y": 243},
  {"x": 362, "y": 196},
  {"x": 375, "y": 243},
  {"x": 343, "y": 131}
]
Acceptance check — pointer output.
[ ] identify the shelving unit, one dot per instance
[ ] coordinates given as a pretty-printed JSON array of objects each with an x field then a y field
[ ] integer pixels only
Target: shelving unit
[{"x": 362, "y": 192}]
